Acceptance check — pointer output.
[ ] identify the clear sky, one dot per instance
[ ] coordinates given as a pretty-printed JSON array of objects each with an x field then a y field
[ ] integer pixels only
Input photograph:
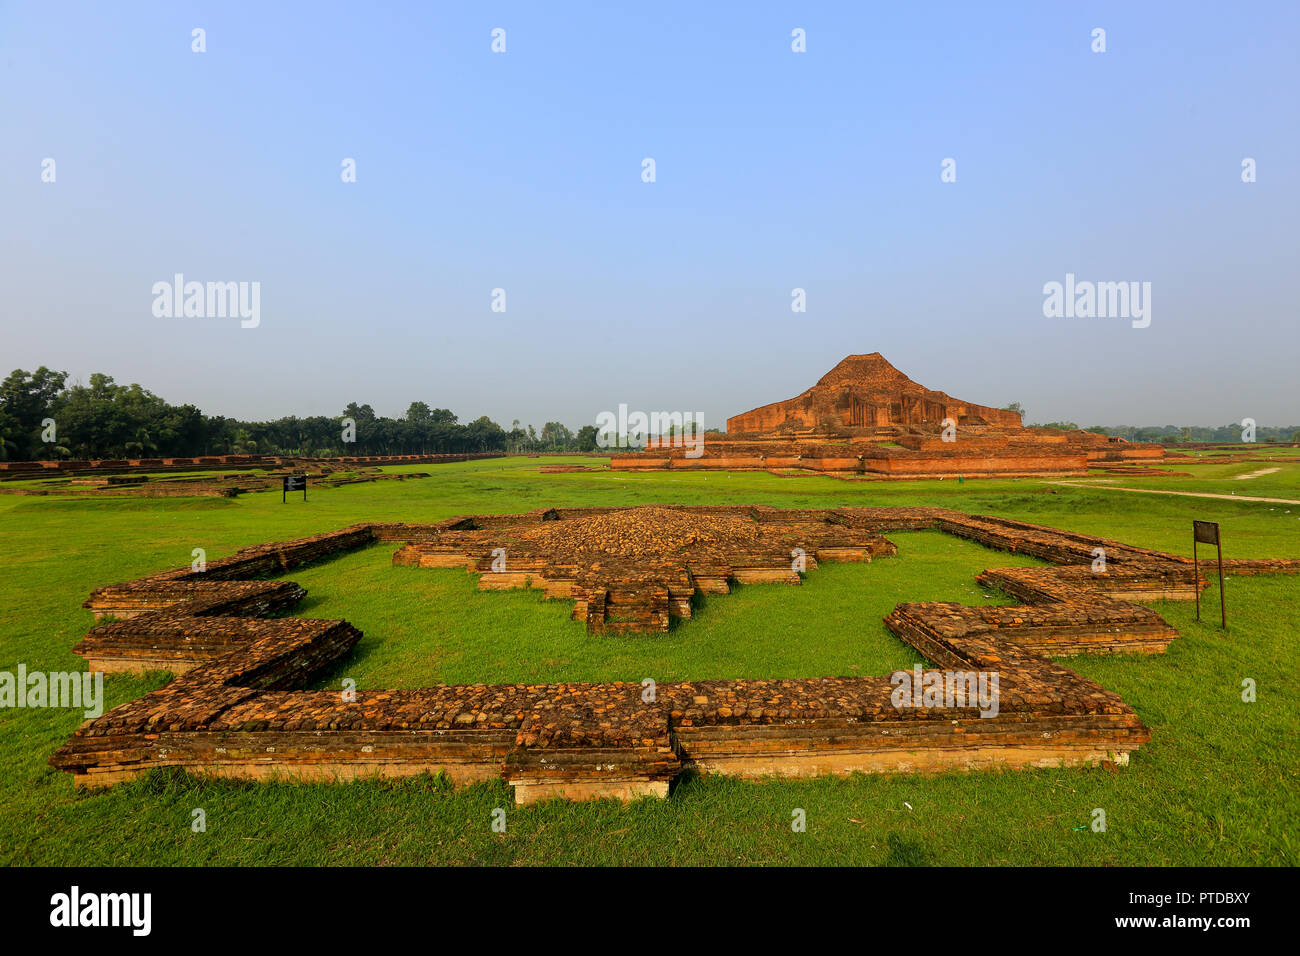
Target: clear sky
[{"x": 774, "y": 170}]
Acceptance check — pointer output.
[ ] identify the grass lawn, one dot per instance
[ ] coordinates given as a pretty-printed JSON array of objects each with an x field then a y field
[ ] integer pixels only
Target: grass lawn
[
  {"x": 1217, "y": 785},
  {"x": 1268, "y": 479}
]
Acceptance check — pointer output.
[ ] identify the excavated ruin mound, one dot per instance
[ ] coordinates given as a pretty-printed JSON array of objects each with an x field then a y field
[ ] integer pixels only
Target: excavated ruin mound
[
  {"x": 644, "y": 531},
  {"x": 866, "y": 391},
  {"x": 871, "y": 372}
]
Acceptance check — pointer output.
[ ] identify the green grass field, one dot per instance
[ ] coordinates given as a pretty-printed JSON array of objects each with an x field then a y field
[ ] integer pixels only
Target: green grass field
[
  {"x": 1268, "y": 479},
  {"x": 1217, "y": 785}
]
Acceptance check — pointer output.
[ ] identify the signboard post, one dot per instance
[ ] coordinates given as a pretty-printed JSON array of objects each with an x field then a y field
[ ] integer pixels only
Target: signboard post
[
  {"x": 1207, "y": 532},
  {"x": 293, "y": 483}
]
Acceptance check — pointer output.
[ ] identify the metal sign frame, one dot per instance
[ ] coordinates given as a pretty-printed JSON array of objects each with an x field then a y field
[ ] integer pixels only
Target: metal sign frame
[
  {"x": 290, "y": 483},
  {"x": 1207, "y": 532}
]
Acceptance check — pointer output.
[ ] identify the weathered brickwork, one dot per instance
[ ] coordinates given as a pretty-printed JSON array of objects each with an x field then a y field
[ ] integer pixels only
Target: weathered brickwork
[
  {"x": 867, "y": 419},
  {"x": 635, "y": 569},
  {"x": 220, "y": 486},
  {"x": 236, "y": 707},
  {"x": 866, "y": 391},
  {"x": 123, "y": 467}
]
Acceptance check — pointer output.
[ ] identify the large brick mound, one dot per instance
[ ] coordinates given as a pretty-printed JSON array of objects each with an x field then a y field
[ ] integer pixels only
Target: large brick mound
[
  {"x": 864, "y": 418},
  {"x": 237, "y": 707},
  {"x": 867, "y": 391}
]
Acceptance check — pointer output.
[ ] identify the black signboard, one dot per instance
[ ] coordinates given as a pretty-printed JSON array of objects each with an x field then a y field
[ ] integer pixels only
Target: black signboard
[
  {"x": 294, "y": 483},
  {"x": 1207, "y": 532}
]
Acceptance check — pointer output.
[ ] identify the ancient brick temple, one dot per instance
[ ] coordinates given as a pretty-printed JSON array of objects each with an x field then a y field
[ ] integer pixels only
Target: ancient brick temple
[
  {"x": 239, "y": 705},
  {"x": 865, "y": 391},
  {"x": 866, "y": 418}
]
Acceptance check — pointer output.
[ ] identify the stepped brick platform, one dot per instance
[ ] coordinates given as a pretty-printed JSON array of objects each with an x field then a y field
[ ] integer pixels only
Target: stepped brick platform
[
  {"x": 237, "y": 707},
  {"x": 865, "y": 418},
  {"x": 635, "y": 569}
]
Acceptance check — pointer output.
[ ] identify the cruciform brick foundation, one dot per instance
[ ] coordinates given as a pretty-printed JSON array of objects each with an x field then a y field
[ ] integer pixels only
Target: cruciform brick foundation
[{"x": 237, "y": 707}]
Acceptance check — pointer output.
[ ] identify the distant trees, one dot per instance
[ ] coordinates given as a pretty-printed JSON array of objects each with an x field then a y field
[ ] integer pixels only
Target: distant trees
[
  {"x": 25, "y": 401},
  {"x": 102, "y": 419},
  {"x": 418, "y": 413},
  {"x": 1227, "y": 434},
  {"x": 555, "y": 437}
]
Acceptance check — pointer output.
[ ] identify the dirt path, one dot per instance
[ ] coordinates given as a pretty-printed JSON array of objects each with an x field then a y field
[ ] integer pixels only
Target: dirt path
[
  {"x": 1256, "y": 474},
  {"x": 1182, "y": 494}
]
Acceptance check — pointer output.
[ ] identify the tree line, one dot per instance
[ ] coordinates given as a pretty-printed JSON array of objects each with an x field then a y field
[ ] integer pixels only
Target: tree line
[
  {"x": 42, "y": 417},
  {"x": 1177, "y": 434},
  {"x": 1225, "y": 434}
]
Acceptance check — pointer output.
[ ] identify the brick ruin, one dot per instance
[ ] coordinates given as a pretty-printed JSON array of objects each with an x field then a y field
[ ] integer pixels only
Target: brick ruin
[
  {"x": 633, "y": 570},
  {"x": 237, "y": 707},
  {"x": 172, "y": 478},
  {"x": 865, "y": 391},
  {"x": 865, "y": 417},
  {"x": 102, "y": 468},
  {"x": 226, "y": 485}
]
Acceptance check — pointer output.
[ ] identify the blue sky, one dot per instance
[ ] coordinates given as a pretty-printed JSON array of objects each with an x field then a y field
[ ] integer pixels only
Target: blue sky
[{"x": 775, "y": 170}]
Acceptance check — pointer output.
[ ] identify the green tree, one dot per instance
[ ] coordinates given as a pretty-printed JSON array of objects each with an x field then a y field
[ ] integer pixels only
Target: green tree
[
  {"x": 27, "y": 399},
  {"x": 359, "y": 413},
  {"x": 556, "y": 437}
]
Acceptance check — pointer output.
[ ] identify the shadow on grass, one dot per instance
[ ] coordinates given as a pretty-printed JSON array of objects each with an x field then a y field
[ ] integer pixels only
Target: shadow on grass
[{"x": 906, "y": 851}]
